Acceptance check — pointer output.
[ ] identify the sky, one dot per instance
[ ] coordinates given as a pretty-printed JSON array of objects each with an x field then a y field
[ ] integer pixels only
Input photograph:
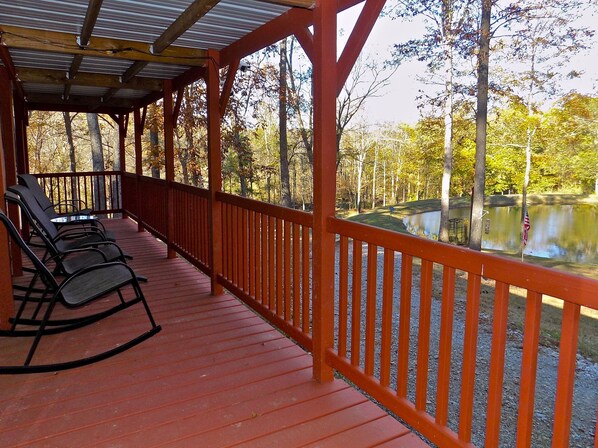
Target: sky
[{"x": 398, "y": 102}]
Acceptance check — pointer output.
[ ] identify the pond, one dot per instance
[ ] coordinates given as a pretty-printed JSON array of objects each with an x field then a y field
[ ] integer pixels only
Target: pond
[{"x": 561, "y": 232}]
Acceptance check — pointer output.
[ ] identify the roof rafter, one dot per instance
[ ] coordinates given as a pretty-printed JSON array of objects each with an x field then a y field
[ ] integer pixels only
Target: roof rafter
[
  {"x": 308, "y": 4},
  {"x": 31, "y": 39},
  {"x": 90, "y": 102},
  {"x": 91, "y": 16},
  {"x": 192, "y": 14},
  {"x": 58, "y": 77}
]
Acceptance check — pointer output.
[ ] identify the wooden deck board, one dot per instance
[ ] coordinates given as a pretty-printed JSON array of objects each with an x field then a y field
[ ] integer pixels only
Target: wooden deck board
[{"x": 217, "y": 375}]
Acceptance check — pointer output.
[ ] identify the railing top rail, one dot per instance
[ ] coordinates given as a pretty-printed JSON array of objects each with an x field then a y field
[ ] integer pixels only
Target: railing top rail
[
  {"x": 288, "y": 214},
  {"x": 202, "y": 192},
  {"x": 76, "y": 174},
  {"x": 569, "y": 287}
]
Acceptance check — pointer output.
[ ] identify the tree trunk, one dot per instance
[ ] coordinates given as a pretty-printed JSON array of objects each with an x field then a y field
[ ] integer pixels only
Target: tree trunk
[
  {"x": 285, "y": 190},
  {"x": 97, "y": 159},
  {"x": 443, "y": 234},
  {"x": 477, "y": 206},
  {"x": 69, "y": 136},
  {"x": 528, "y": 169},
  {"x": 374, "y": 178}
]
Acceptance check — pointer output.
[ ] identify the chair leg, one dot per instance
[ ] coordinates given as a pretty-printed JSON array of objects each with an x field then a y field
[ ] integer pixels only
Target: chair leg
[{"x": 40, "y": 331}]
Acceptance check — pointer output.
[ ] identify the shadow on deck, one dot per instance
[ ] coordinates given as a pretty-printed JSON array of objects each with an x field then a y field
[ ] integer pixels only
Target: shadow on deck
[{"x": 217, "y": 375}]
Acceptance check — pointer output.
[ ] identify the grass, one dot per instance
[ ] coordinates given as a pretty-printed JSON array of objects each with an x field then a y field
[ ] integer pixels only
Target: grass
[{"x": 552, "y": 308}]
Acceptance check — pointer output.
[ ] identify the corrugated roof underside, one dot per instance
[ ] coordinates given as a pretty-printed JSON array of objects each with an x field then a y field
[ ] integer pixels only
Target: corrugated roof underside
[
  {"x": 105, "y": 66},
  {"x": 88, "y": 91},
  {"x": 227, "y": 22},
  {"x": 131, "y": 93},
  {"x": 143, "y": 20},
  {"x": 52, "y": 15},
  {"x": 162, "y": 71},
  {"x": 31, "y": 87},
  {"x": 41, "y": 60}
]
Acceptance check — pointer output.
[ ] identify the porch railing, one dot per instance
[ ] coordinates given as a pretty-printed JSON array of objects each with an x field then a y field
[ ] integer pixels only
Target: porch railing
[
  {"x": 386, "y": 341},
  {"x": 267, "y": 262},
  {"x": 419, "y": 371},
  {"x": 99, "y": 191}
]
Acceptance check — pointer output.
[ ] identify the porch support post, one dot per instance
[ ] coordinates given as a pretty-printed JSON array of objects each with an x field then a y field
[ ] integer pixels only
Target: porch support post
[
  {"x": 324, "y": 76},
  {"x": 169, "y": 163},
  {"x": 122, "y": 135},
  {"x": 6, "y": 300},
  {"x": 21, "y": 123},
  {"x": 214, "y": 169},
  {"x": 21, "y": 136},
  {"x": 10, "y": 164},
  {"x": 138, "y": 128}
]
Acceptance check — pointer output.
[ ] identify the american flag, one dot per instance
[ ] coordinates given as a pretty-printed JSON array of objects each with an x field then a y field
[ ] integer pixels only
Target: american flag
[{"x": 526, "y": 227}]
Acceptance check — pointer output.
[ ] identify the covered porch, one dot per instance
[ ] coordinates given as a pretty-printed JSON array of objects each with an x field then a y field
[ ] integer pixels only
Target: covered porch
[
  {"x": 356, "y": 301},
  {"x": 216, "y": 375}
]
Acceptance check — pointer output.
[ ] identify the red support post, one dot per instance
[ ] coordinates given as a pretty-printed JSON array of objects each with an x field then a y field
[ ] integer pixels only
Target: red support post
[
  {"x": 6, "y": 300},
  {"x": 324, "y": 76},
  {"x": 10, "y": 163},
  {"x": 122, "y": 135},
  {"x": 138, "y": 127},
  {"x": 169, "y": 162},
  {"x": 214, "y": 169}
]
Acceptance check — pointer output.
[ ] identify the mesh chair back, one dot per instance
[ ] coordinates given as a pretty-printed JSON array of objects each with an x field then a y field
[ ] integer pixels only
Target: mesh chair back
[
  {"x": 38, "y": 193},
  {"x": 45, "y": 275},
  {"x": 35, "y": 210}
]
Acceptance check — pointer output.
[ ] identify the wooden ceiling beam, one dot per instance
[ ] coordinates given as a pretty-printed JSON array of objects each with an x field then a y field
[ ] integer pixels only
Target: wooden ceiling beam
[
  {"x": 91, "y": 102},
  {"x": 86, "y": 79},
  {"x": 307, "y": 4},
  {"x": 91, "y": 16},
  {"x": 41, "y": 40},
  {"x": 186, "y": 20},
  {"x": 273, "y": 31},
  {"x": 52, "y": 107},
  {"x": 192, "y": 14}
]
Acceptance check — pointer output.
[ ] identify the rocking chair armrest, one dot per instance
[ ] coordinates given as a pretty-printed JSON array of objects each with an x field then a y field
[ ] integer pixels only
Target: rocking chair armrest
[
  {"x": 69, "y": 202},
  {"x": 96, "y": 267},
  {"x": 69, "y": 233},
  {"x": 104, "y": 243},
  {"x": 86, "y": 249}
]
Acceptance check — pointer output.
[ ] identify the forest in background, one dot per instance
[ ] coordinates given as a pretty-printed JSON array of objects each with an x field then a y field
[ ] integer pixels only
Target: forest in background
[{"x": 267, "y": 129}]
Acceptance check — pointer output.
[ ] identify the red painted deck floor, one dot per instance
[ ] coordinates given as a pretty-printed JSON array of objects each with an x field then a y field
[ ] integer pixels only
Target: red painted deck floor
[{"x": 216, "y": 376}]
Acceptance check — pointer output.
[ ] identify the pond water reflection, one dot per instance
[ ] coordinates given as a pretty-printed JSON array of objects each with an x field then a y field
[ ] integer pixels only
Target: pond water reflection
[{"x": 563, "y": 232}]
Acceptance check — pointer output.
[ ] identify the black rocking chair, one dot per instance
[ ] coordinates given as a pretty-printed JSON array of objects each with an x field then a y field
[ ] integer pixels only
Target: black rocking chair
[{"x": 77, "y": 290}]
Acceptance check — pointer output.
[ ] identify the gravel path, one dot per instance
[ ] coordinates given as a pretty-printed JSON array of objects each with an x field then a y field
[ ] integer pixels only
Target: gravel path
[{"x": 586, "y": 389}]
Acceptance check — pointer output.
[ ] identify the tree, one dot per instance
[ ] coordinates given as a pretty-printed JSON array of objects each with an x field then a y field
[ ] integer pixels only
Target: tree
[
  {"x": 477, "y": 206},
  {"x": 97, "y": 157},
  {"x": 541, "y": 41},
  {"x": 156, "y": 152},
  {"x": 285, "y": 187},
  {"x": 447, "y": 28}
]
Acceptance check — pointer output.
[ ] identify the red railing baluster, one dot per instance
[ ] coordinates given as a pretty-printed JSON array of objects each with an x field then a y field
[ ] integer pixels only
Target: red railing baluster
[
  {"x": 305, "y": 286},
  {"x": 566, "y": 375},
  {"x": 343, "y": 291},
  {"x": 423, "y": 338},
  {"x": 497, "y": 363},
  {"x": 287, "y": 270},
  {"x": 356, "y": 304},
  {"x": 472, "y": 316},
  {"x": 404, "y": 325},
  {"x": 296, "y": 275},
  {"x": 370, "y": 310},
  {"x": 271, "y": 264},
  {"x": 445, "y": 348},
  {"x": 279, "y": 267},
  {"x": 387, "y": 293}
]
